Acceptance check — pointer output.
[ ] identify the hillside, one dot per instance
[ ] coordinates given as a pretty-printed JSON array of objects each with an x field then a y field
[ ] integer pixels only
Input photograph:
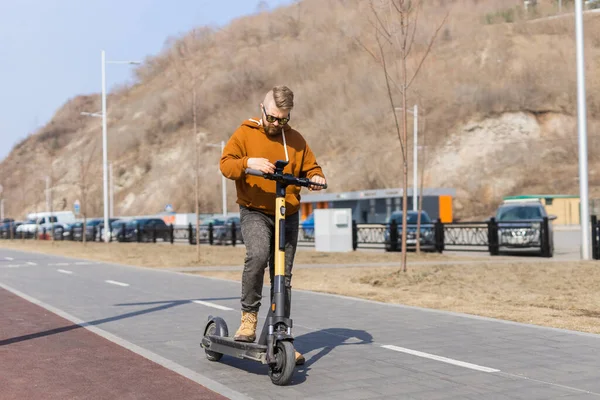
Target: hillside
[{"x": 499, "y": 103}]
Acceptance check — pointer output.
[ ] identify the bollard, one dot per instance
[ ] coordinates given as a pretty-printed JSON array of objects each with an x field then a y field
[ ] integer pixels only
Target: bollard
[
  {"x": 233, "y": 234},
  {"x": 545, "y": 238},
  {"x": 594, "y": 237},
  {"x": 172, "y": 229},
  {"x": 393, "y": 236},
  {"x": 210, "y": 233},
  {"x": 354, "y": 235},
  {"x": 493, "y": 242},
  {"x": 439, "y": 236}
]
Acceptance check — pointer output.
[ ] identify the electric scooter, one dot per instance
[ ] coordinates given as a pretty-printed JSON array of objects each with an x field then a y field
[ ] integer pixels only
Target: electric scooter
[{"x": 275, "y": 344}]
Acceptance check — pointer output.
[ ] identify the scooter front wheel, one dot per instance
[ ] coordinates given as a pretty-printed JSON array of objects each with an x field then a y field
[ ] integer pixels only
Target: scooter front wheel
[{"x": 281, "y": 372}]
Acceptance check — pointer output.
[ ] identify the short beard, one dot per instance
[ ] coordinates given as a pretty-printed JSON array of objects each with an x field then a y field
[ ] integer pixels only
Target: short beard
[{"x": 272, "y": 130}]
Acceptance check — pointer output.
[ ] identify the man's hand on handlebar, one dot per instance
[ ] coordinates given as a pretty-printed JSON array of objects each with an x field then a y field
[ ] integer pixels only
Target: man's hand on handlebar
[
  {"x": 317, "y": 179},
  {"x": 261, "y": 164}
]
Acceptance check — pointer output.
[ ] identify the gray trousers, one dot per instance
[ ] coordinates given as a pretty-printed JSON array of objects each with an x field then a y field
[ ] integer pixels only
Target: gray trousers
[{"x": 258, "y": 231}]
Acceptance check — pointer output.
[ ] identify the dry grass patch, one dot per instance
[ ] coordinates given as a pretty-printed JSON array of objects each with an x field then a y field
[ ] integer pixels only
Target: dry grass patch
[
  {"x": 163, "y": 255},
  {"x": 561, "y": 295}
]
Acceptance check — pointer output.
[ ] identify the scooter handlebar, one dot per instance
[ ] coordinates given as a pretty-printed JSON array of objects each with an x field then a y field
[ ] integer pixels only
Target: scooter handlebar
[
  {"x": 250, "y": 171},
  {"x": 285, "y": 178}
]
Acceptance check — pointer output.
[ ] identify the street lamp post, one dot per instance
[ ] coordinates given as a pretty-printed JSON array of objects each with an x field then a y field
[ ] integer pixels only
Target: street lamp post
[
  {"x": 104, "y": 136},
  {"x": 223, "y": 179},
  {"x": 415, "y": 113},
  {"x": 1, "y": 203},
  {"x": 112, "y": 192},
  {"x": 582, "y": 134}
]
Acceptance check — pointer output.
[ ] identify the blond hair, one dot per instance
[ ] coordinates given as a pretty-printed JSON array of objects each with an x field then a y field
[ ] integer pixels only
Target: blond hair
[{"x": 283, "y": 97}]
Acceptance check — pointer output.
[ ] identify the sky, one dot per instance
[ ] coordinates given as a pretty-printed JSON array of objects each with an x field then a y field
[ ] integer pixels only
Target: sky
[{"x": 50, "y": 50}]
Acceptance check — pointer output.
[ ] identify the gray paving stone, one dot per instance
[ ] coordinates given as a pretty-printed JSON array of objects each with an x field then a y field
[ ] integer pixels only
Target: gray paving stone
[{"x": 327, "y": 329}]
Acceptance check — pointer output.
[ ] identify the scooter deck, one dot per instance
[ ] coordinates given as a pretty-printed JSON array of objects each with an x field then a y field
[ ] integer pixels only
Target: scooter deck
[{"x": 230, "y": 347}]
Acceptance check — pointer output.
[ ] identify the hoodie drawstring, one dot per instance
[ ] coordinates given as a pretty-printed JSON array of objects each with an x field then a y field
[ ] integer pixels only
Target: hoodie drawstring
[{"x": 287, "y": 158}]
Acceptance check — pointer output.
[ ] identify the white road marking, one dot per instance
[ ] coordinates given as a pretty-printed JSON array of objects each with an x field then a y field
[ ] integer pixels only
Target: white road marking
[
  {"x": 57, "y": 264},
  {"x": 31, "y": 263},
  {"x": 439, "y": 358},
  {"x": 82, "y": 263},
  {"x": 12, "y": 266},
  {"x": 9, "y": 258},
  {"x": 206, "y": 303},
  {"x": 64, "y": 271},
  {"x": 117, "y": 283}
]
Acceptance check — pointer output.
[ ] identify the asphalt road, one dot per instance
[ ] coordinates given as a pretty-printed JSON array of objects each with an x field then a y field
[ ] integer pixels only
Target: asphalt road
[{"x": 355, "y": 349}]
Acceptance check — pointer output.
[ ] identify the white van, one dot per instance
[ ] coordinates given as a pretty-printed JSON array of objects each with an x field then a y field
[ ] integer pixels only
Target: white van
[{"x": 41, "y": 220}]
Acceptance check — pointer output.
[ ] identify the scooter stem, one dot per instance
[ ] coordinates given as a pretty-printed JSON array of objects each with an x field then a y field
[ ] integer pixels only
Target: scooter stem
[{"x": 278, "y": 301}]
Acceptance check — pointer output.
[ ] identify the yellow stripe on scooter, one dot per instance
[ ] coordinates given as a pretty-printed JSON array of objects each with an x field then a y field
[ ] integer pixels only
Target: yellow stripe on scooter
[{"x": 279, "y": 254}]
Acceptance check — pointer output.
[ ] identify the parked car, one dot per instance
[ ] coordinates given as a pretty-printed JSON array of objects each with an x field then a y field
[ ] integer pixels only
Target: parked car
[
  {"x": 204, "y": 228},
  {"x": 519, "y": 226},
  {"x": 96, "y": 226},
  {"x": 307, "y": 227},
  {"x": 7, "y": 225},
  {"x": 27, "y": 228},
  {"x": 91, "y": 228},
  {"x": 100, "y": 228},
  {"x": 427, "y": 235},
  {"x": 146, "y": 226},
  {"x": 37, "y": 222},
  {"x": 116, "y": 229},
  {"x": 222, "y": 233}
]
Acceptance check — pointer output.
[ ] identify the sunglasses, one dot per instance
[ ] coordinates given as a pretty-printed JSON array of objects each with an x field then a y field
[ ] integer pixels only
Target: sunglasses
[{"x": 271, "y": 119}]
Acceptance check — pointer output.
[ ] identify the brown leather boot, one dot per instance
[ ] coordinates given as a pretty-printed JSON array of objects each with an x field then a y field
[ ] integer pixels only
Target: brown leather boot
[
  {"x": 247, "y": 330},
  {"x": 300, "y": 360}
]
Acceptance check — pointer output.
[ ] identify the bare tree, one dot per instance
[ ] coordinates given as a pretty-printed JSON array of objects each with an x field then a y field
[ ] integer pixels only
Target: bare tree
[
  {"x": 190, "y": 58},
  {"x": 395, "y": 26}
]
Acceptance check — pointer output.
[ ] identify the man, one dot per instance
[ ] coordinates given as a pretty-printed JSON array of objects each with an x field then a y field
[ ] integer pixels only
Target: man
[{"x": 257, "y": 144}]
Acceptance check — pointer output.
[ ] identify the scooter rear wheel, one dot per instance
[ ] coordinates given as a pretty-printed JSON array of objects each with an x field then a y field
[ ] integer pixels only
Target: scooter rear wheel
[
  {"x": 211, "y": 355},
  {"x": 281, "y": 373}
]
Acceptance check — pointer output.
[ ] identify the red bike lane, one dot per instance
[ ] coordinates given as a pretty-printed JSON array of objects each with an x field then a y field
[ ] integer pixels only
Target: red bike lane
[{"x": 44, "y": 356}]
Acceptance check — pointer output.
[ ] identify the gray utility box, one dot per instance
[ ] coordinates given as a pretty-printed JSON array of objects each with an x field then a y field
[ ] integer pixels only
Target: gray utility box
[{"x": 333, "y": 230}]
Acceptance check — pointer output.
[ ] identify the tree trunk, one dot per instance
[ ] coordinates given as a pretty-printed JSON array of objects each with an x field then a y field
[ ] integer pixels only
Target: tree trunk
[{"x": 405, "y": 163}]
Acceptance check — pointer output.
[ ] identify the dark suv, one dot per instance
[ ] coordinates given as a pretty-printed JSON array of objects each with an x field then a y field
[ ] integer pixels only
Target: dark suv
[
  {"x": 148, "y": 227},
  {"x": 426, "y": 237},
  {"x": 222, "y": 233},
  {"x": 520, "y": 225}
]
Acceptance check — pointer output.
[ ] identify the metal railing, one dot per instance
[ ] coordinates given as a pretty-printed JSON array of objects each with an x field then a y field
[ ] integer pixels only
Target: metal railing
[{"x": 488, "y": 236}]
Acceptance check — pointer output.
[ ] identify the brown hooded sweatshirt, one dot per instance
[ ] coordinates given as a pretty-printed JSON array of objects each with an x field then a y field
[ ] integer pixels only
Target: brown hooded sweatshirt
[{"x": 251, "y": 141}]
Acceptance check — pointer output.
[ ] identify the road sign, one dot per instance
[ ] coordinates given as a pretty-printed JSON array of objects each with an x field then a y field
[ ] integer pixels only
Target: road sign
[
  {"x": 77, "y": 207},
  {"x": 169, "y": 208}
]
